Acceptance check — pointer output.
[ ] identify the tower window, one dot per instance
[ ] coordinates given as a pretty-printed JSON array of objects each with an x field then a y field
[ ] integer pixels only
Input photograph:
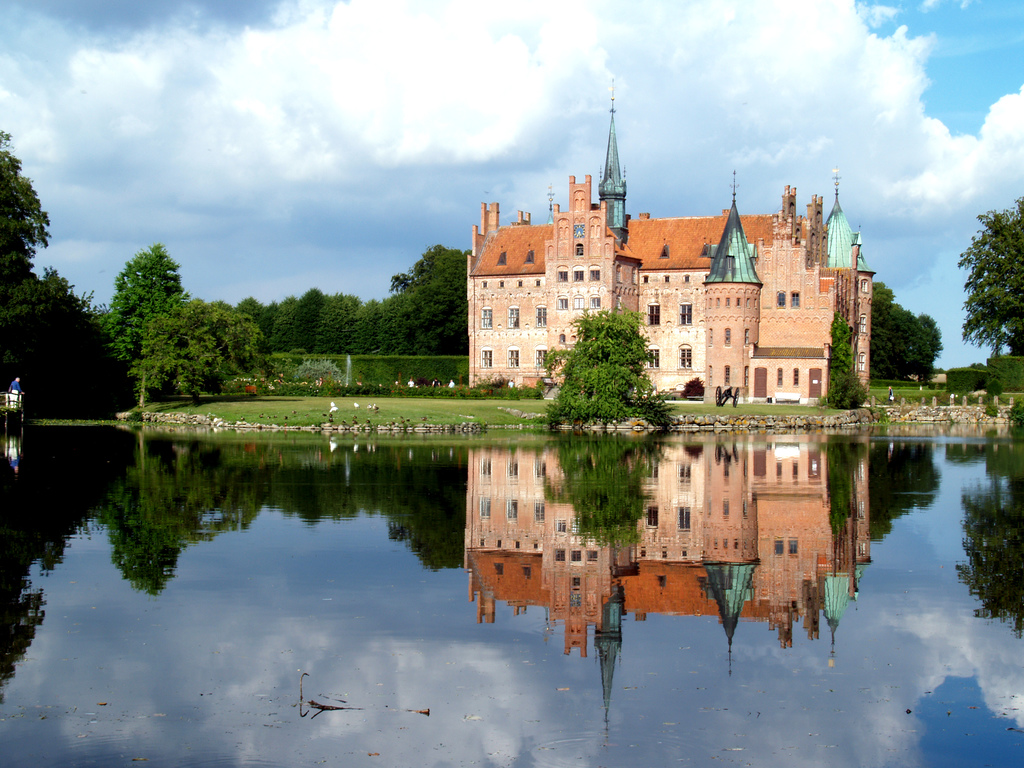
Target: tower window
[{"x": 654, "y": 314}]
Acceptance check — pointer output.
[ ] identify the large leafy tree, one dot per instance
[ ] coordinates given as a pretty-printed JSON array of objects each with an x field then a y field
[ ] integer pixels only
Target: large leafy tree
[
  {"x": 195, "y": 344},
  {"x": 49, "y": 334},
  {"x": 995, "y": 282},
  {"x": 604, "y": 376},
  {"x": 902, "y": 346},
  {"x": 148, "y": 287},
  {"x": 434, "y": 315}
]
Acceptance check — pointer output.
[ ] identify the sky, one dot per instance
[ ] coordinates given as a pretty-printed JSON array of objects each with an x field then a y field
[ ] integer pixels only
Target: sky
[{"x": 278, "y": 145}]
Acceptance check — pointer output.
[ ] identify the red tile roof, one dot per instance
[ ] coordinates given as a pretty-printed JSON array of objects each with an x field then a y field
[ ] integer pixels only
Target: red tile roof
[
  {"x": 686, "y": 238},
  {"x": 515, "y": 242}
]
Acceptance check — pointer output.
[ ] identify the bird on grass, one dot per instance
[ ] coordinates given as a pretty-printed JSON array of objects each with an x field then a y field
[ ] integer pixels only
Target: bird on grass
[{"x": 333, "y": 407}]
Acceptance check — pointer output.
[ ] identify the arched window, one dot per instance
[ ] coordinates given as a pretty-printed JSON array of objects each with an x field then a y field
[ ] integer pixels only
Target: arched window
[
  {"x": 685, "y": 357},
  {"x": 579, "y": 249}
]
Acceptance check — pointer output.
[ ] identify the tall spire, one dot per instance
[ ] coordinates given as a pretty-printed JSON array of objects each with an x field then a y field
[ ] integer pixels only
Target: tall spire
[
  {"x": 732, "y": 261},
  {"x": 613, "y": 186}
]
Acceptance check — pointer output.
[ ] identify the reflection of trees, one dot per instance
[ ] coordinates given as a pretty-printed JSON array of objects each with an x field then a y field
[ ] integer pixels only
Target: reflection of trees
[
  {"x": 903, "y": 477},
  {"x": 180, "y": 492},
  {"x": 994, "y": 538},
  {"x": 63, "y": 472},
  {"x": 845, "y": 458},
  {"x": 602, "y": 478},
  {"x": 175, "y": 494}
]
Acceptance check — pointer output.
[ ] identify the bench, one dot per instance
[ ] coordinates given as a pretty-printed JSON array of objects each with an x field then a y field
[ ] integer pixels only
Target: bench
[{"x": 787, "y": 397}]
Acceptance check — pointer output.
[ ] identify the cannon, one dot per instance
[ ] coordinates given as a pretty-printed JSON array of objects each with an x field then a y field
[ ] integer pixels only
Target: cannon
[{"x": 724, "y": 396}]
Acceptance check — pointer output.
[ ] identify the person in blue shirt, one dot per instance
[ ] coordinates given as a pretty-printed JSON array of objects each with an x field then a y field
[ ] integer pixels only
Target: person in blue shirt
[{"x": 14, "y": 391}]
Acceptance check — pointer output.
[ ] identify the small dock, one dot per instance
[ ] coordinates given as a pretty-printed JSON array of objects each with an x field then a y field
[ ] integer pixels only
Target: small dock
[{"x": 12, "y": 408}]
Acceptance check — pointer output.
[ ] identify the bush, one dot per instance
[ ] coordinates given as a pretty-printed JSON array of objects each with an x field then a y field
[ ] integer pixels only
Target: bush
[
  {"x": 693, "y": 388},
  {"x": 1017, "y": 414},
  {"x": 845, "y": 391},
  {"x": 995, "y": 387},
  {"x": 966, "y": 379},
  {"x": 313, "y": 370}
]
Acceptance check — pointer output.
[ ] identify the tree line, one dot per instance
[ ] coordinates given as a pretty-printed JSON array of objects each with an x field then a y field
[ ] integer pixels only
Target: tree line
[{"x": 426, "y": 314}]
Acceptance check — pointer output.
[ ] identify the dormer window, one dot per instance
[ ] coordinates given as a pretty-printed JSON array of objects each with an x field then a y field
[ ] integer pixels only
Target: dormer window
[
  {"x": 529, "y": 257},
  {"x": 502, "y": 259},
  {"x": 664, "y": 252}
]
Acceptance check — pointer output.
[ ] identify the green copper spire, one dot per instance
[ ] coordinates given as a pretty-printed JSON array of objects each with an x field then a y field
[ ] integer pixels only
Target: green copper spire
[
  {"x": 613, "y": 187},
  {"x": 841, "y": 239},
  {"x": 732, "y": 261}
]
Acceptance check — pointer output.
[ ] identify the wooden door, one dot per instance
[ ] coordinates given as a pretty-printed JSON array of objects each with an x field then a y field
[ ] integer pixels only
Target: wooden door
[{"x": 760, "y": 382}]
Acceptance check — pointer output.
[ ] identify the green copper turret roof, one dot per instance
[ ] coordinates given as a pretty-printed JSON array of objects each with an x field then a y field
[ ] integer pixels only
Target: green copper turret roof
[
  {"x": 612, "y": 188},
  {"x": 841, "y": 240},
  {"x": 733, "y": 259}
]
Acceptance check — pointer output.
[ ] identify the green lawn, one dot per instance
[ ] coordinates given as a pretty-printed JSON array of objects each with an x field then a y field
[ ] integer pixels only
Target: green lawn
[{"x": 307, "y": 411}]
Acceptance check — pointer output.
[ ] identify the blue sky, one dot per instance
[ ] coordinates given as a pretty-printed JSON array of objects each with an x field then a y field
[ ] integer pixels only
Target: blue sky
[{"x": 278, "y": 145}]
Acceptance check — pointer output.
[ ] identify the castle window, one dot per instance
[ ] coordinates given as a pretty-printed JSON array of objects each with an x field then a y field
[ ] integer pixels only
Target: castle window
[
  {"x": 795, "y": 300},
  {"x": 646, "y": 278},
  {"x": 779, "y": 546},
  {"x": 685, "y": 357},
  {"x": 863, "y": 324},
  {"x": 561, "y": 338},
  {"x": 595, "y": 302},
  {"x": 538, "y": 511},
  {"x": 577, "y": 275},
  {"x": 728, "y": 335},
  {"x": 796, "y": 377},
  {"x": 542, "y": 317},
  {"x": 563, "y": 275},
  {"x": 513, "y": 468},
  {"x": 860, "y": 362},
  {"x": 486, "y": 318},
  {"x": 540, "y": 354},
  {"x": 668, "y": 278},
  {"x": 727, "y": 301},
  {"x": 746, "y": 376},
  {"x": 485, "y": 509},
  {"x": 718, "y": 302},
  {"x": 529, "y": 257},
  {"x": 563, "y": 303},
  {"x": 513, "y": 317},
  {"x": 537, "y": 283},
  {"x": 520, "y": 283},
  {"x": 746, "y": 335},
  {"x": 486, "y": 358},
  {"x": 652, "y": 517},
  {"x": 595, "y": 274},
  {"x": 664, "y": 252},
  {"x": 863, "y": 286},
  {"x": 618, "y": 273},
  {"x": 511, "y": 509},
  {"x": 655, "y": 359},
  {"x": 792, "y": 546},
  {"x": 559, "y": 555},
  {"x": 683, "y": 522},
  {"x": 711, "y": 337},
  {"x": 501, "y": 283},
  {"x": 781, "y": 299},
  {"x": 779, "y": 378},
  {"x": 579, "y": 249},
  {"x": 686, "y": 314},
  {"x": 485, "y": 283},
  {"x": 577, "y": 302},
  {"x": 513, "y": 358},
  {"x": 654, "y": 314},
  {"x": 576, "y": 556},
  {"x": 728, "y": 371},
  {"x": 502, "y": 259},
  {"x": 686, "y": 278}
]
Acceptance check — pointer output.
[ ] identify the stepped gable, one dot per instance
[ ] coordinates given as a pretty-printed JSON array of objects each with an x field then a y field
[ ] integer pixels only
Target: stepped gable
[
  {"x": 516, "y": 242},
  {"x": 688, "y": 239}
]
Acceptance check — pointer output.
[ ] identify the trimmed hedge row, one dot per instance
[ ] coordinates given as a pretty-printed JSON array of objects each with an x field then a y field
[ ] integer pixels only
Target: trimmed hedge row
[
  {"x": 1009, "y": 371},
  {"x": 966, "y": 379},
  {"x": 331, "y": 388},
  {"x": 384, "y": 369}
]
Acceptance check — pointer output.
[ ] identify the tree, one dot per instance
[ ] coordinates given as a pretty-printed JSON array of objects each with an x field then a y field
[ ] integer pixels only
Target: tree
[
  {"x": 995, "y": 282},
  {"x": 434, "y": 316},
  {"x": 195, "y": 344},
  {"x": 604, "y": 376},
  {"x": 149, "y": 286},
  {"x": 902, "y": 346},
  {"x": 48, "y": 333},
  {"x": 845, "y": 389}
]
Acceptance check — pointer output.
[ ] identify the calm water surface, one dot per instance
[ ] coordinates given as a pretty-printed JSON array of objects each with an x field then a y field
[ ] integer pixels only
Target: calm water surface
[{"x": 780, "y": 600}]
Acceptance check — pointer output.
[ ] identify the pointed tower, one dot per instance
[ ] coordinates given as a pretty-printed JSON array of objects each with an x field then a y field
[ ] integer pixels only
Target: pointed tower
[
  {"x": 613, "y": 186},
  {"x": 732, "y": 290}
]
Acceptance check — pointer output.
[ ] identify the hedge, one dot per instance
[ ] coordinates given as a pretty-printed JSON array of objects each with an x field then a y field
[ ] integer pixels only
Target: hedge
[
  {"x": 966, "y": 379},
  {"x": 1009, "y": 371},
  {"x": 384, "y": 369}
]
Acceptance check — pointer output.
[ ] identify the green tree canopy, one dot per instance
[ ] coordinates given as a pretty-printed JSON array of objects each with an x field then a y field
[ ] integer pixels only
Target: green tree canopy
[
  {"x": 902, "y": 346},
  {"x": 195, "y": 344},
  {"x": 604, "y": 376},
  {"x": 149, "y": 286},
  {"x": 435, "y": 313},
  {"x": 995, "y": 282},
  {"x": 23, "y": 222}
]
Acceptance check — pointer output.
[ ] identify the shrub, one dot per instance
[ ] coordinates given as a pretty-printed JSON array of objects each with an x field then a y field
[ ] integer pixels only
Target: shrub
[
  {"x": 995, "y": 387},
  {"x": 845, "y": 391},
  {"x": 312, "y": 370},
  {"x": 1017, "y": 414},
  {"x": 693, "y": 388}
]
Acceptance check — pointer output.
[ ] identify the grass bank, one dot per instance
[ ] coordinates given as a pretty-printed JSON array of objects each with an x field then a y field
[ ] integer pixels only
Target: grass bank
[{"x": 313, "y": 411}]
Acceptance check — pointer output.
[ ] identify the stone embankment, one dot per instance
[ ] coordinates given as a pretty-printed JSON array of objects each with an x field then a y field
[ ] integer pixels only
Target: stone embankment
[{"x": 212, "y": 422}]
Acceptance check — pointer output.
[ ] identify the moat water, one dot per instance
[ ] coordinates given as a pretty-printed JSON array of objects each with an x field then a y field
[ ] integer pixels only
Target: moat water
[{"x": 552, "y": 601}]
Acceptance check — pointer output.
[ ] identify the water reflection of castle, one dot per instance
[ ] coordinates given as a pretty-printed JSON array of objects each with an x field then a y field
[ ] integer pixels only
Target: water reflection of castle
[{"x": 739, "y": 529}]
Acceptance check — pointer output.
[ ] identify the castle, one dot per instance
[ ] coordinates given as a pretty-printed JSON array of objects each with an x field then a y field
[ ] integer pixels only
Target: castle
[{"x": 735, "y": 301}]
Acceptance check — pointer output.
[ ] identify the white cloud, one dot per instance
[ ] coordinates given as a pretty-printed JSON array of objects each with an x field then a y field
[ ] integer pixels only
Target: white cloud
[{"x": 330, "y": 120}]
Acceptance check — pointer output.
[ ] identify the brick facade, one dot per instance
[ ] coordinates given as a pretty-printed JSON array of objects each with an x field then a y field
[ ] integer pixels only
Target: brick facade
[{"x": 769, "y": 335}]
